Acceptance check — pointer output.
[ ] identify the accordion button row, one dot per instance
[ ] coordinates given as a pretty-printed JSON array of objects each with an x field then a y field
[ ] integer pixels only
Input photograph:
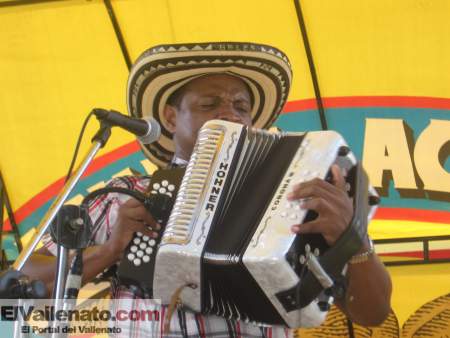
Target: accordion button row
[
  {"x": 293, "y": 205},
  {"x": 292, "y": 216},
  {"x": 163, "y": 188},
  {"x": 141, "y": 249},
  {"x": 291, "y": 211}
]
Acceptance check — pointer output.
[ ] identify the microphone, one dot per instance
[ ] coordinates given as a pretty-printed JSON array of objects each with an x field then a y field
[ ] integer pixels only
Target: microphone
[
  {"x": 15, "y": 285},
  {"x": 147, "y": 130}
]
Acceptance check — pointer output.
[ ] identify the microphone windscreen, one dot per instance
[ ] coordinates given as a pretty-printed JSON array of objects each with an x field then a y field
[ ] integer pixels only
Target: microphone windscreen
[{"x": 154, "y": 131}]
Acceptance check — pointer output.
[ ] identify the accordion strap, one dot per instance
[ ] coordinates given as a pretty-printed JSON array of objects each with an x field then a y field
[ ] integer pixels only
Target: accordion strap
[{"x": 174, "y": 301}]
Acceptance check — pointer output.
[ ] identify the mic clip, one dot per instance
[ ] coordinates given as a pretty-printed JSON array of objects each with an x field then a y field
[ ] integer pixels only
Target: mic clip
[{"x": 74, "y": 225}]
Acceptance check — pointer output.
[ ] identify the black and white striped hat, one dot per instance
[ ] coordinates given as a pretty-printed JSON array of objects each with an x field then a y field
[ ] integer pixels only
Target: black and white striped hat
[{"x": 160, "y": 70}]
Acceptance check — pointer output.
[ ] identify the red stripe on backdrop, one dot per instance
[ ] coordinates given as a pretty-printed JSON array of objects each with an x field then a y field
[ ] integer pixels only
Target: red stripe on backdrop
[
  {"x": 433, "y": 254},
  {"x": 407, "y": 214},
  {"x": 370, "y": 101}
]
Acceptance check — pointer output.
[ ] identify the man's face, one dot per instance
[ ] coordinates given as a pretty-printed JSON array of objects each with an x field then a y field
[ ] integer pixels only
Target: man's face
[{"x": 219, "y": 96}]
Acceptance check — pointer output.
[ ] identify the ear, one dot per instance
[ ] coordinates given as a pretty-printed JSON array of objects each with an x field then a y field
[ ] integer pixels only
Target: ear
[{"x": 170, "y": 114}]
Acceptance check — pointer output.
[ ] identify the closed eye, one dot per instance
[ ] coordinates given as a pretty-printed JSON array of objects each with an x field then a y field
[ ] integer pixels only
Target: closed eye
[
  {"x": 209, "y": 102},
  {"x": 242, "y": 107}
]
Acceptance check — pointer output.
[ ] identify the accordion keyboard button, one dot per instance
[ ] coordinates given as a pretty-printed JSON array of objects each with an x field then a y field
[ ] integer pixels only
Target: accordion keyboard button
[
  {"x": 133, "y": 248},
  {"x": 148, "y": 250},
  {"x": 130, "y": 256},
  {"x": 162, "y": 190},
  {"x": 146, "y": 238},
  {"x": 146, "y": 259},
  {"x": 139, "y": 234},
  {"x": 140, "y": 253},
  {"x": 156, "y": 186},
  {"x": 171, "y": 187},
  {"x": 164, "y": 183},
  {"x": 143, "y": 245},
  {"x": 136, "y": 240},
  {"x": 137, "y": 261},
  {"x": 302, "y": 259},
  {"x": 151, "y": 242}
]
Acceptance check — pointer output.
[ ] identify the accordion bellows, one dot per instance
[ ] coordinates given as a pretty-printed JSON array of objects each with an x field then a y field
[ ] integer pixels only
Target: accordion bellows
[{"x": 228, "y": 238}]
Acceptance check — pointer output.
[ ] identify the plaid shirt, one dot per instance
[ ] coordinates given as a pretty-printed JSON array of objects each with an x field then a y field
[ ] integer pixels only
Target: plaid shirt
[{"x": 103, "y": 212}]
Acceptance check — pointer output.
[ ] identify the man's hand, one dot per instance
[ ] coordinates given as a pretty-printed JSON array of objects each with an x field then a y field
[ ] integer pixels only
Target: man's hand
[
  {"x": 330, "y": 201},
  {"x": 132, "y": 217}
]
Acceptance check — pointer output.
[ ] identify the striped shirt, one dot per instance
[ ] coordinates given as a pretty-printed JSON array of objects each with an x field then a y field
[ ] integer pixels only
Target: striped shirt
[{"x": 103, "y": 212}]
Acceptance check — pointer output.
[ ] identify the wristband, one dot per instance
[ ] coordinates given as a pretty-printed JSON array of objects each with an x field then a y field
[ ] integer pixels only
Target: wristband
[{"x": 363, "y": 257}]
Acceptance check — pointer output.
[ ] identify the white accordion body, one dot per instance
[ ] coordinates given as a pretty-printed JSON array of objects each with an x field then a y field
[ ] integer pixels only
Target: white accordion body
[{"x": 269, "y": 257}]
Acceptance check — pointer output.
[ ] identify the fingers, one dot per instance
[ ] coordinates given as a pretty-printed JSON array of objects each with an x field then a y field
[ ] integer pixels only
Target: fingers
[
  {"x": 134, "y": 217},
  {"x": 324, "y": 209},
  {"x": 133, "y": 210},
  {"x": 142, "y": 215},
  {"x": 307, "y": 228},
  {"x": 313, "y": 188},
  {"x": 316, "y": 188},
  {"x": 329, "y": 200},
  {"x": 320, "y": 188},
  {"x": 338, "y": 179},
  {"x": 320, "y": 205},
  {"x": 136, "y": 226}
]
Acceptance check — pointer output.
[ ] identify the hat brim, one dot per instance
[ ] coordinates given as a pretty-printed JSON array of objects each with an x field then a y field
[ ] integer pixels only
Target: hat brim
[{"x": 161, "y": 70}]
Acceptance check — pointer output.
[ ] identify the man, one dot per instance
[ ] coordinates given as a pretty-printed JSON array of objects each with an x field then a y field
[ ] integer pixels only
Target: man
[{"x": 183, "y": 86}]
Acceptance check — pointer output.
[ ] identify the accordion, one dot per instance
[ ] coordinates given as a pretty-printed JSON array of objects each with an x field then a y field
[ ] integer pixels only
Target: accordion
[{"x": 228, "y": 240}]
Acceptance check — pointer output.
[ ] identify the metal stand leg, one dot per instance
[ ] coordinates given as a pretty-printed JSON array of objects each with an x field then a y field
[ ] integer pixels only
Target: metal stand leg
[
  {"x": 98, "y": 141},
  {"x": 61, "y": 276},
  {"x": 63, "y": 255}
]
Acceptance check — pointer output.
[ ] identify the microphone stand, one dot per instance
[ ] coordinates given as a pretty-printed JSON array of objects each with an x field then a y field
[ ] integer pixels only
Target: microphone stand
[{"x": 98, "y": 141}]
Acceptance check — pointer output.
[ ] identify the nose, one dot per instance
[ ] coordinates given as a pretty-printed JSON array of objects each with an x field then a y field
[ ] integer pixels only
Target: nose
[{"x": 227, "y": 112}]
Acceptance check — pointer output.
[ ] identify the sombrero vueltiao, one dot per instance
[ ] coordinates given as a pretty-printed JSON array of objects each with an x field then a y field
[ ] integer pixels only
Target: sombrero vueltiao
[{"x": 160, "y": 70}]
